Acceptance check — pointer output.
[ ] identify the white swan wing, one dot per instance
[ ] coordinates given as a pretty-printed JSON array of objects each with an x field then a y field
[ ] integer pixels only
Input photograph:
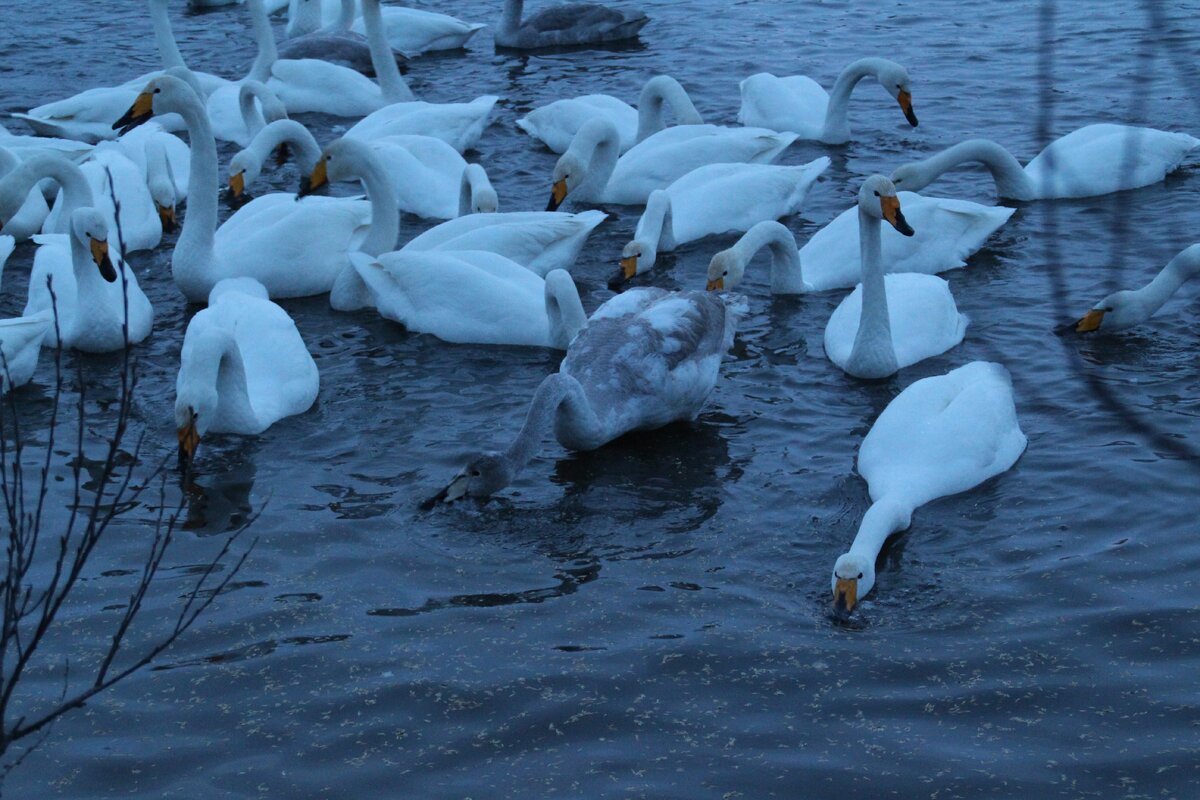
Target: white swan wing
[
  {"x": 557, "y": 123},
  {"x": 943, "y": 435},
  {"x": 796, "y": 103},
  {"x": 458, "y": 124},
  {"x": 21, "y": 343},
  {"x": 412, "y": 31},
  {"x": 1104, "y": 158},
  {"x": 311, "y": 85}
]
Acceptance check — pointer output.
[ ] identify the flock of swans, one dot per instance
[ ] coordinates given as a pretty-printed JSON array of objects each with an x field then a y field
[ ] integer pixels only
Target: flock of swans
[{"x": 644, "y": 358}]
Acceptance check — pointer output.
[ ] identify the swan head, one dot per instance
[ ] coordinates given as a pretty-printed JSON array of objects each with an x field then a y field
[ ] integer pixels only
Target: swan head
[
  {"x": 89, "y": 227},
  {"x": 636, "y": 257},
  {"x": 339, "y": 162},
  {"x": 568, "y": 174},
  {"x": 1118, "y": 310},
  {"x": 244, "y": 170},
  {"x": 910, "y": 178},
  {"x": 877, "y": 198},
  {"x": 894, "y": 79},
  {"x": 725, "y": 271},
  {"x": 483, "y": 476},
  {"x": 163, "y": 193},
  {"x": 853, "y": 578},
  {"x": 195, "y": 406},
  {"x": 161, "y": 95},
  {"x": 484, "y": 200}
]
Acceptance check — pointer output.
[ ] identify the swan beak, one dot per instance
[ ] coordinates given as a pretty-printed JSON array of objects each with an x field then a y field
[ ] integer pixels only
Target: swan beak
[
  {"x": 100, "y": 256},
  {"x": 281, "y": 155},
  {"x": 237, "y": 184},
  {"x": 906, "y": 106},
  {"x": 891, "y": 212},
  {"x": 141, "y": 110},
  {"x": 319, "y": 178},
  {"x": 166, "y": 216},
  {"x": 557, "y": 194},
  {"x": 1091, "y": 321},
  {"x": 189, "y": 440},
  {"x": 845, "y": 595},
  {"x": 715, "y": 285}
]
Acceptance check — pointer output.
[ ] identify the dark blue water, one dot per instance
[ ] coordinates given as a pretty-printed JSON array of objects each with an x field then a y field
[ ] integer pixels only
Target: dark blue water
[{"x": 650, "y": 619}]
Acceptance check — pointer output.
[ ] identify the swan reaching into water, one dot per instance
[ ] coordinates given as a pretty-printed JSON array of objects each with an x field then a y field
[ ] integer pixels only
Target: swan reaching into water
[
  {"x": 243, "y": 367},
  {"x": 940, "y": 436},
  {"x": 799, "y": 104},
  {"x": 592, "y": 171},
  {"x": 556, "y": 124},
  {"x": 33, "y": 211},
  {"x": 1094, "y": 160},
  {"x": 293, "y": 249},
  {"x": 715, "y": 198},
  {"x": 1128, "y": 308},
  {"x": 566, "y": 25},
  {"x": 646, "y": 358}
]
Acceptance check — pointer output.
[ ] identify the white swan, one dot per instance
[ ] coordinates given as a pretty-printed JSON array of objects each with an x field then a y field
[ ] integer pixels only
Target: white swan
[
  {"x": 566, "y": 24},
  {"x": 413, "y": 31},
  {"x": 88, "y": 116},
  {"x": 25, "y": 146},
  {"x": 141, "y": 228},
  {"x": 940, "y": 436},
  {"x": 1094, "y": 160},
  {"x": 1128, "y": 308},
  {"x": 239, "y": 122},
  {"x": 428, "y": 177},
  {"x": 160, "y": 180},
  {"x": 100, "y": 306},
  {"x": 947, "y": 232},
  {"x": 646, "y": 358},
  {"x": 459, "y": 125},
  {"x": 540, "y": 241},
  {"x": 592, "y": 171},
  {"x": 33, "y": 211},
  {"x": 294, "y": 249},
  {"x": 715, "y": 198},
  {"x": 243, "y": 367},
  {"x": 20, "y": 337},
  {"x": 313, "y": 85},
  {"x": 557, "y": 123},
  {"x": 799, "y": 104},
  {"x": 138, "y": 143}
]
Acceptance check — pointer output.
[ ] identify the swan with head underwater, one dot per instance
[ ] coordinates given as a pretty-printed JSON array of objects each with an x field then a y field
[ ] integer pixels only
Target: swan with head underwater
[
  {"x": 295, "y": 249},
  {"x": 100, "y": 306},
  {"x": 1094, "y": 160},
  {"x": 646, "y": 358},
  {"x": 470, "y": 296},
  {"x": 242, "y": 368},
  {"x": 566, "y": 25},
  {"x": 556, "y": 124},
  {"x": 593, "y": 171},
  {"x": 1131, "y": 307},
  {"x": 799, "y": 104},
  {"x": 940, "y": 436}
]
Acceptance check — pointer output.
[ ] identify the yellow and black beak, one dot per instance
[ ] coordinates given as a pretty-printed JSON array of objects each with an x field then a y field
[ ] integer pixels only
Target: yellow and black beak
[
  {"x": 100, "y": 256},
  {"x": 906, "y": 106},
  {"x": 845, "y": 595},
  {"x": 715, "y": 284},
  {"x": 623, "y": 275},
  {"x": 237, "y": 184},
  {"x": 166, "y": 216},
  {"x": 1091, "y": 321},
  {"x": 891, "y": 212},
  {"x": 141, "y": 110},
  {"x": 311, "y": 183},
  {"x": 558, "y": 193},
  {"x": 189, "y": 440}
]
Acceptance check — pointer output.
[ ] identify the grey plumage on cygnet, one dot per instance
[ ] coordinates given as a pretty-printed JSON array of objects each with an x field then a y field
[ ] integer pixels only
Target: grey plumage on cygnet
[{"x": 567, "y": 24}]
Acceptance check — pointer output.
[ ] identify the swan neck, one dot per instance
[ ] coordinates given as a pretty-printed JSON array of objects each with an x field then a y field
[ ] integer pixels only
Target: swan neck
[
  {"x": 1178, "y": 270},
  {"x": 213, "y": 360},
  {"x": 885, "y": 517},
  {"x": 346, "y": 17},
  {"x": 655, "y": 230},
  {"x": 391, "y": 84},
  {"x": 564, "y": 309},
  {"x": 76, "y": 191},
  {"x": 260, "y": 70},
  {"x": 512, "y": 16},
  {"x": 787, "y": 274},
  {"x": 836, "y": 125},
  {"x": 1006, "y": 171},
  {"x": 385, "y": 211},
  {"x": 164, "y": 37},
  {"x": 873, "y": 343},
  {"x": 253, "y": 118},
  {"x": 660, "y": 91},
  {"x": 599, "y": 148},
  {"x": 554, "y": 391},
  {"x": 200, "y": 222},
  {"x": 288, "y": 131}
]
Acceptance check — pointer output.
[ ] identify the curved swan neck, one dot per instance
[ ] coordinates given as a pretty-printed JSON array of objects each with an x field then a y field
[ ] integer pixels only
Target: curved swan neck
[
  {"x": 474, "y": 189},
  {"x": 76, "y": 191},
  {"x": 260, "y": 70},
  {"x": 362, "y": 164},
  {"x": 659, "y": 91},
  {"x": 837, "y": 129},
  {"x": 656, "y": 230},
  {"x": 563, "y": 308},
  {"x": 512, "y": 16},
  {"x": 1178, "y": 270},
  {"x": 286, "y": 131},
  {"x": 212, "y": 360},
  {"x": 555, "y": 390},
  {"x": 873, "y": 354},
  {"x": 164, "y": 37},
  {"x": 787, "y": 274},
  {"x": 391, "y": 84},
  {"x": 598, "y": 145},
  {"x": 1006, "y": 171},
  {"x": 885, "y": 516}
]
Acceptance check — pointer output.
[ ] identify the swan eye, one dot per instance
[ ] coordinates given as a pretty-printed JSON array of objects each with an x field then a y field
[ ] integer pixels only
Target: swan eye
[
  {"x": 157, "y": 90},
  {"x": 475, "y": 473},
  {"x": 877, "y": 194},
  {"x": 1108, "y": 310},
  {"x": 859, "y": 578},
  {"x": 725, "y": 274}
]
